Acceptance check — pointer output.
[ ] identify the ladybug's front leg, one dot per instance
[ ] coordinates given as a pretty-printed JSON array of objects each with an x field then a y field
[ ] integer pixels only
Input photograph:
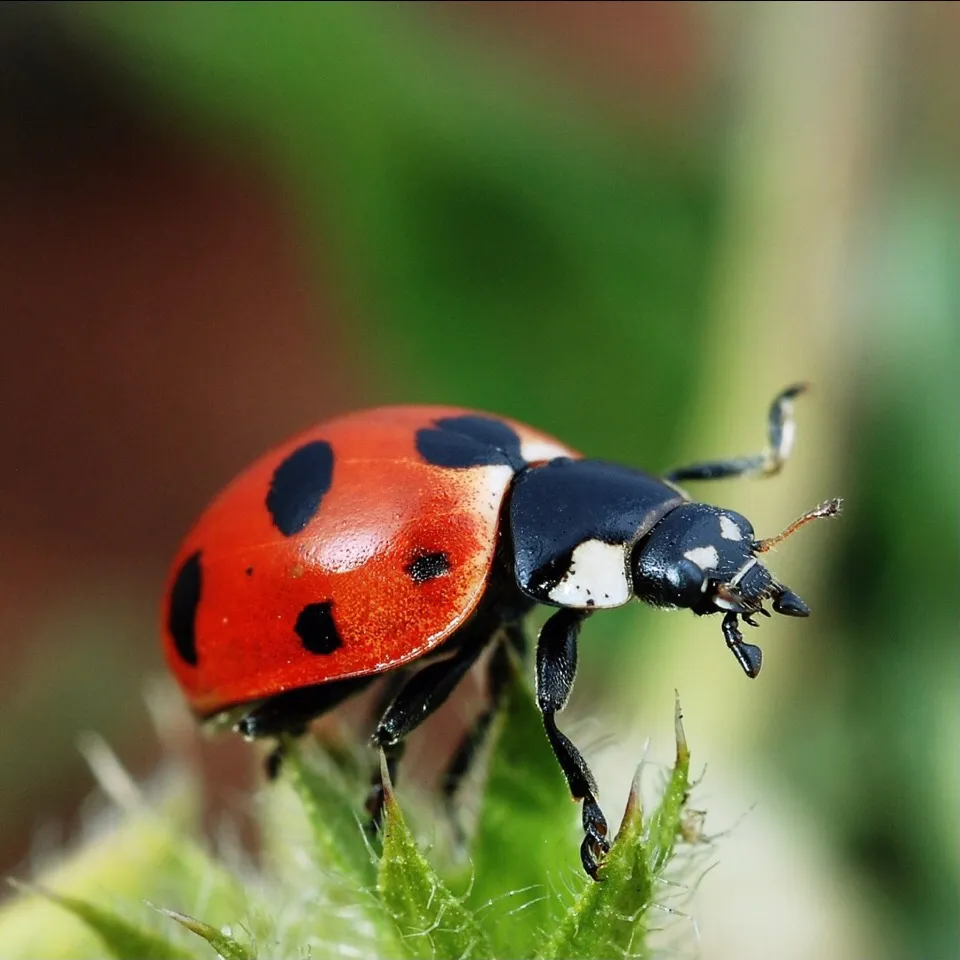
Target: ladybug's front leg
[
  {"x": 556, "y": 669},
  {"x": 780, "y": 434}
]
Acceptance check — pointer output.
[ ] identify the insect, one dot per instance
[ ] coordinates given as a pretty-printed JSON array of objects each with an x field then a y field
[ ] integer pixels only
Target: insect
[{"x": 408, "y": 540}]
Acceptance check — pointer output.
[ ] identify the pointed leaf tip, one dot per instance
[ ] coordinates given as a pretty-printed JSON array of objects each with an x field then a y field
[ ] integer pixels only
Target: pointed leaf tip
[
  {"x": 665, "y": 823},
  {"x": 633, "y": 812},
  {"x": 683, "y": 751},
  {"x": 331, "y": 808},
  {"x": 227, "y": 948},
  {"x": 610, "y": 918},
  {"x": 388, "y": 795},
  {"x": 429, "y": 920}
]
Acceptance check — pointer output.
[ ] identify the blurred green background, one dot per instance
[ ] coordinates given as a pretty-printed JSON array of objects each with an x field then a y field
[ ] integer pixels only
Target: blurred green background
[{"x": 626, "y": 223}]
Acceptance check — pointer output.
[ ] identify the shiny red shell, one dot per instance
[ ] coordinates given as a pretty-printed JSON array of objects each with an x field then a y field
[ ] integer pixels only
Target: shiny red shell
[{"x": 385, "y": 507}]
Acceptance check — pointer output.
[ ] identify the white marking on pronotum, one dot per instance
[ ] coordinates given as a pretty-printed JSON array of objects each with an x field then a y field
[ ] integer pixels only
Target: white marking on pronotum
[
  {"x": 597, "y": 570},
  {"x": 728, "y": 529},
  {"x": 535, "y": 450},
  {"x": 706, "y": 558}
]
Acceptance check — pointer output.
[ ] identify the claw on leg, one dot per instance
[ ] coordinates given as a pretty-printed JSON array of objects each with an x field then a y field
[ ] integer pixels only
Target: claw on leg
[{"x": 595, "y": 844}]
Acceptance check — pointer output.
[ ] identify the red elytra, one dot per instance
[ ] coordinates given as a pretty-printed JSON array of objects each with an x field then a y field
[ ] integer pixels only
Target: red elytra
[{"x": 385, "y": 508}]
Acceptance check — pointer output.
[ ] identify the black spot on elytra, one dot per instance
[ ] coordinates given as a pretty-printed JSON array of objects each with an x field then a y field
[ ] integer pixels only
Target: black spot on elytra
[
  {"x": 469, "y": 441},
  {"x": 428, "y": 566},
  {"x": 249, "y": 571},
  {"x": 184, "y": 601},
  {"x": 298, "y": 486},
  {"x": 317, "y": 630}
]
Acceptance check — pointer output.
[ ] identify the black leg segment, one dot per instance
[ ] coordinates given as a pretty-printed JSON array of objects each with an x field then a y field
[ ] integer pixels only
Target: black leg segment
[
  {"x": 289, "y": 714},
  {"x": 780, "y": 434},
  {"x": 556, "y": 669},
  {"x": 422, "y": 694},
  {"x": 748, "y": 655}
]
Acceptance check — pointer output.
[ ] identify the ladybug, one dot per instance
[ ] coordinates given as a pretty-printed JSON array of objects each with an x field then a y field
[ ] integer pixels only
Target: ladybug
[{"x": 408, "y": 540}]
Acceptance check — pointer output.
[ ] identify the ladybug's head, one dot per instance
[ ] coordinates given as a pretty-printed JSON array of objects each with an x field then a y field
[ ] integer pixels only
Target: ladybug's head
[{"x": 707, "y": 560}]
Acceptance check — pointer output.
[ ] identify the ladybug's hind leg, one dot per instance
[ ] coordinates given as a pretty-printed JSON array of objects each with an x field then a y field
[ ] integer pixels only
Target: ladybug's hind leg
[
  {"x": 289, "y": 714},
  {"x": 780, "y": 434}
]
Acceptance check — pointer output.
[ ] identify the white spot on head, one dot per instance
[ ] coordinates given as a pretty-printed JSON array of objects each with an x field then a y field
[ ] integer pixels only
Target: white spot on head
[
  {"x": 728, "y": 529},
  {"x": 595, "y": 568},
  {"x": 706, "y": 558}
]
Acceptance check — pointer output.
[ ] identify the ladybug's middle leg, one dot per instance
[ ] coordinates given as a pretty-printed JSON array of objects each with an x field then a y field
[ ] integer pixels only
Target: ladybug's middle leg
[
  {"x": 424, "y": 693},
  {"x": 780, "y": 434},
  {"x": 556, "y": 669},
  {"x": 392, "y": 685}
]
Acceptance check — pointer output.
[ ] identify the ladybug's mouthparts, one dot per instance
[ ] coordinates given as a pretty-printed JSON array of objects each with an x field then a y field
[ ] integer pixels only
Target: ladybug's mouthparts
[
  {"x": 752, "y": 585},
  {"x": 745, "y": 592},
  {"x": 789, "y": 604}
]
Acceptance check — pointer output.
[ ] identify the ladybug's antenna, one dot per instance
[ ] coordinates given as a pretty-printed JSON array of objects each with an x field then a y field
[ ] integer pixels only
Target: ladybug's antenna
[{"x": 829, "y": 509}]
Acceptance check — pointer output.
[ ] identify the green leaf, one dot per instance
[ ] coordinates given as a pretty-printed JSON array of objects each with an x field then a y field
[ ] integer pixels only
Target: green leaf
[
  {"x": 226, "y": 946},
  {"x": 156, "y": 842},
  {"x": 430, "y": 920},
  {"x": 609, "y": 917},
  {"x": 666, "y": 823},
  {"x": 147, "y": 855},
  {"x": 331, "y": 807},
  {"x": 342, "y": 871},
  {"x": 123, "y": 940},
  {"x": 527, "y": 840}
]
